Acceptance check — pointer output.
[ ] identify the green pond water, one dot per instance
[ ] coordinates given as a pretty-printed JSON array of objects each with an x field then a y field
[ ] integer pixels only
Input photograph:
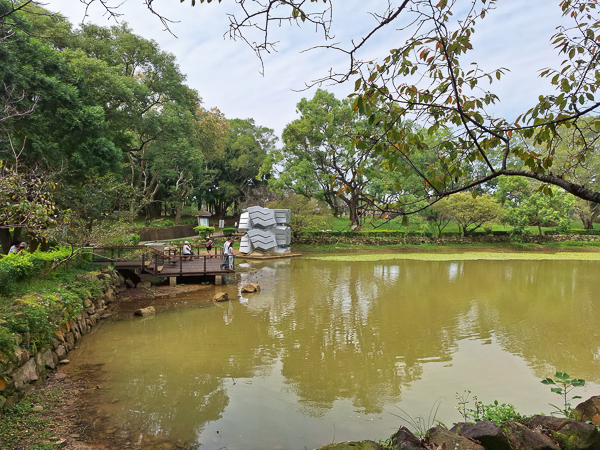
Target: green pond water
[{"x": 337, "y": 350}]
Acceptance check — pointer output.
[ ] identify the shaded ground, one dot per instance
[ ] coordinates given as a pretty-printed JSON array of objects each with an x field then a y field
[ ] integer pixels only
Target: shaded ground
[{"x": 47, "y": 418}]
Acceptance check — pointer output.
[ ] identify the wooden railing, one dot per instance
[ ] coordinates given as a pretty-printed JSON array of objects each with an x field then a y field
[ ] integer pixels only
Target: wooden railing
[{"x": 169, "y": 262}]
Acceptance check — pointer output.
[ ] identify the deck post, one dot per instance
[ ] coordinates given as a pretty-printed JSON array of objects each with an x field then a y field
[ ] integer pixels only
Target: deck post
[
  {"x": 218, "y": 280},
  {"x": 172, "y": 281}
]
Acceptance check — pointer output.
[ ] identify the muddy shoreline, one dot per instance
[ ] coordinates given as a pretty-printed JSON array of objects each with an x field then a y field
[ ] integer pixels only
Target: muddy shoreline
[{"x": 76, "y": 423}]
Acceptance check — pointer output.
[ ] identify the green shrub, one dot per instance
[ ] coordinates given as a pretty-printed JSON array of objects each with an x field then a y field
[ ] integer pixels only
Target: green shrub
[
  {"x": 37, "y": 317},
  {"x": 135, "y": 239},
  {"x": 7, "y": 340},
  {"x": 229, "y": 231},
  {"x": 205, "y": 231},
  {"x": 564, "y": 226},
  {"x": 14, "y": 269},
  {"x": 162, "y": 223}
]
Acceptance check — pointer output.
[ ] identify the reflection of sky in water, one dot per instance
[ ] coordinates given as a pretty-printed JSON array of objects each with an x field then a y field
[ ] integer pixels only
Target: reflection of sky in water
[
  {"x": 453, "y": 271},
  {"x": 387, "y": 273},
  {"x": 345, "y": 345}
]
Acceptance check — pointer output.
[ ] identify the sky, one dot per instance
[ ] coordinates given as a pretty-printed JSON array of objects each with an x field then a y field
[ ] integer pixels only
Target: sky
[{"x": 227, "y": 74}]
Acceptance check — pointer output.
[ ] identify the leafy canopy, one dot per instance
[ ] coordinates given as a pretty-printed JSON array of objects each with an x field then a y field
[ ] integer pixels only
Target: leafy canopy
[{"x": 428, "y": 79}]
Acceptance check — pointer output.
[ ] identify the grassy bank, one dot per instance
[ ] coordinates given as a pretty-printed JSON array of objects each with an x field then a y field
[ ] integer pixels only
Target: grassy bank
[
  {"x": 33, "y": 308},
  {"x": 549, "y": 247}
]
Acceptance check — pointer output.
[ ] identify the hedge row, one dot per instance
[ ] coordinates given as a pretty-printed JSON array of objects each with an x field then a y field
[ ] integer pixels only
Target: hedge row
[
  {"x": 574, "y": 231},
  {"x": 396, "y": 233}
]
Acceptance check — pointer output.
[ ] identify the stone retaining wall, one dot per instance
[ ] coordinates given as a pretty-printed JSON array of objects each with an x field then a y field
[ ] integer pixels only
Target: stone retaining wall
[
  {"x": 445, "y": 240},
  {"x": 26, "y": 368}
]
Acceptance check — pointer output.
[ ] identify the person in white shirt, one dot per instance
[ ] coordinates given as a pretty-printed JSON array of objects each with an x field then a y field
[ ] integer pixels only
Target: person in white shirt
[
  {"x": 230, "y": 253},
  {"x": 187, "y": 250},
  {"x": 17, "y": 249}
]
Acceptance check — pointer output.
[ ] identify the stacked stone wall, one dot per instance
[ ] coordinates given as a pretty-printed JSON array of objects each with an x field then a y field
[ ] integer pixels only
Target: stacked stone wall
[{"x": 25, "y": 368}]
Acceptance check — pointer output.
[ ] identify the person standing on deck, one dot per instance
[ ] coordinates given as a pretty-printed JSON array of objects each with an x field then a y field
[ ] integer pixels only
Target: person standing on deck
[
  {"x": 229, "y": 253},
  {"x": 225, "y": 254}
]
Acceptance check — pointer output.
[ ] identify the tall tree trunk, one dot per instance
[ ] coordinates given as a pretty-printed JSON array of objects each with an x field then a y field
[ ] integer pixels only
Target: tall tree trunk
[
  {"x": 178, "y": 211},
  {"x": 586, "y": 218},
  {"x": 153, "y": 210},
  {"x": 5, "y": 240},
  {"x": 353, "y": 208}
]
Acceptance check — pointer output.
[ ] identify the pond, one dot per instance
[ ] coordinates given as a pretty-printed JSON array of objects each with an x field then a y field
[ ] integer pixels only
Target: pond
[{"x": 330, "y": 351}]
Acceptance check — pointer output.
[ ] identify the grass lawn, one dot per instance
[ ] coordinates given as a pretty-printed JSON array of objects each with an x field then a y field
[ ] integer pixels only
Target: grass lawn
[{"x": 416, "y": 225}]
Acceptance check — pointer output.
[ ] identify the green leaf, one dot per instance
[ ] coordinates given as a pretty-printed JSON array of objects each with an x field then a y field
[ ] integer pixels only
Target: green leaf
[{"x": 357, "y": 84}]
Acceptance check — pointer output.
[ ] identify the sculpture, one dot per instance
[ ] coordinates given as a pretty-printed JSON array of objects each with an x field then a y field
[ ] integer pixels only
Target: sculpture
[{"x": 266, "y": 230}]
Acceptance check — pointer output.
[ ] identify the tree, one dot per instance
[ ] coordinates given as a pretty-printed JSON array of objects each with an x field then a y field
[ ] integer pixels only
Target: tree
[
  {"x": 318, "y": 158},
  {"x": 26, "y": 202},
  {"x": 307, "y": 215},
  {"x": 438, "y": 218},
  {"x": 106, "y": 111},
  {"x": 427, "y": 79},
  {"x": 244, "y": 164},
  {"x": 528, "y": 207},
  {"x": 469, "y": 212},
  {"x": 585, "y": 171}
]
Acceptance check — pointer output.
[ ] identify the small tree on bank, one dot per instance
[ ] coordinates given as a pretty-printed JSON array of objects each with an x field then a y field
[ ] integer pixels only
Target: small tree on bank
[{"x": 470, "y": 213}]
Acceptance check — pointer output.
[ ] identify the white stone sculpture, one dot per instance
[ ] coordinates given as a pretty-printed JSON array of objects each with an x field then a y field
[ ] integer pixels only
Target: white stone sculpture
[{"x": 266, "y": 230}]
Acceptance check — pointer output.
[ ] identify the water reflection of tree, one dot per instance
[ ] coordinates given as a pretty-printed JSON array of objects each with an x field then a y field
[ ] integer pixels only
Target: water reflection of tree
[
  {"x": 358, "y": 336},
  {"x": 180, "y": 367},
  {"x": 359, "y": 332},
  {"x": 547, "y": 312},
  {"x": 362, "y": 332}
]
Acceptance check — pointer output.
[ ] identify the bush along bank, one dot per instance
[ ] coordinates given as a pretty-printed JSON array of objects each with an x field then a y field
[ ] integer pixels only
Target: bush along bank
[
  {"x": 535, "y": 433},
  {"x": 35, "y": 339}
]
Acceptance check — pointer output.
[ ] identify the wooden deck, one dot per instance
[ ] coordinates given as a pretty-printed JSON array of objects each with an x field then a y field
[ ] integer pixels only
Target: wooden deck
[
  {"x": 178, "y": 267},
  {"x": 150, "y": 263}
]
